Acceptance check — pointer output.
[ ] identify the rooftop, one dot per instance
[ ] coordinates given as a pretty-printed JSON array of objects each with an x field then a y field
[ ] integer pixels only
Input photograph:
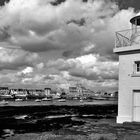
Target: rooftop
[{"x": 135, "y": 20}]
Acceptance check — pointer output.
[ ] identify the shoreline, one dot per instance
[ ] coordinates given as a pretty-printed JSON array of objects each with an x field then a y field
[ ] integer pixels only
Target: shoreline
[
  {"x": 45, "y": 118},
  {"x": 64, "y": 122},
  {"x": 57, "y": 103}
]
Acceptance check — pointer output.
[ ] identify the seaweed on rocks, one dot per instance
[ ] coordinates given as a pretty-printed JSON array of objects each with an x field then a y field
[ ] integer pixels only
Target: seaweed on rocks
[{"x": 28, "y": 119}]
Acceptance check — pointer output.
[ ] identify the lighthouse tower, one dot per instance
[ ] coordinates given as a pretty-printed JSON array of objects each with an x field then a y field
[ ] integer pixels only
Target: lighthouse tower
[{"x": 127, "y": 46}]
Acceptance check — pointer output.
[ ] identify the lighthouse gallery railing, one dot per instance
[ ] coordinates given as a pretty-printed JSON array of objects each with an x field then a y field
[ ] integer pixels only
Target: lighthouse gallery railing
[{"x": 127, "y": 38}]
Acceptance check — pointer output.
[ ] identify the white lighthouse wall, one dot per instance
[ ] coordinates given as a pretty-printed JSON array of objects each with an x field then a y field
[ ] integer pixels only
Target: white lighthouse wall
[{"x": 128, "y": 83}]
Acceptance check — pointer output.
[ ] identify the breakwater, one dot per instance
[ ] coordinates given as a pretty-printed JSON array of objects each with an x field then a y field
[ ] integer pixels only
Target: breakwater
[{"x": 38, "y": 118}]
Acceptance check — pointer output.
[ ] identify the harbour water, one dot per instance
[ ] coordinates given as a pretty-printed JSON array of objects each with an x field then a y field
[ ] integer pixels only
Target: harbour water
[{"x": 57, "y": 102}]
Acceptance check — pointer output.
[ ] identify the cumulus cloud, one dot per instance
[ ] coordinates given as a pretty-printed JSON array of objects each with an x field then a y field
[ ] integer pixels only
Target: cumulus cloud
[
  {"x": 39, "y": 26},
  {"x": 25, "y": 72},
  {"x": 82, "y": 33},
  {"x": 40, "y": 65},
  {"x": 89, "y": 67},
  {"x": 16, "y": 58}
]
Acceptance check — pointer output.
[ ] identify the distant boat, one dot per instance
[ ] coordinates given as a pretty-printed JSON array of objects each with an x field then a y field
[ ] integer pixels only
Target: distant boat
[
  {"x": 6, "y": 96},
  {"x": 62, "y": 100},
  {"x": 81, "y": 100},
  {"x": 46, "y": 99},
  {"x": 3, "y": 102},
  {"x": 100, "y": 98},
  {"x": 37, "y": 100},
  {"x": 17, "y": 100},
  {"x": 21, "y": 96},
  {"x": 56, "y": 97}
]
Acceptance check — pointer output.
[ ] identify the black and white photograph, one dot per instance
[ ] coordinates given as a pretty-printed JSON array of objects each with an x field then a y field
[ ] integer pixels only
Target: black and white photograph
[{"x": 69, "y": 69}]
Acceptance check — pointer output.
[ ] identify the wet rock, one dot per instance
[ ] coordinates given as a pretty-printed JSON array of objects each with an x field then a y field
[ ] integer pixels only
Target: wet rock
[
  {"x": 37, "y": 119},
  {"x": 8, "y": 133}
]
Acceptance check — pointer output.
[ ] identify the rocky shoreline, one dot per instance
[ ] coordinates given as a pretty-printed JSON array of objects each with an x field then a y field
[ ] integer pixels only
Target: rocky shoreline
[
  {"x": 34, "y": 119},
  {"x": 65, "y": 122}
]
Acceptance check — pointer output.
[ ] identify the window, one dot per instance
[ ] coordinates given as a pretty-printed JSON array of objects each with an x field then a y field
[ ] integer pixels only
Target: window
[
  {"x": 136, "y": 69},
  {"x": 137, "y": 66}
]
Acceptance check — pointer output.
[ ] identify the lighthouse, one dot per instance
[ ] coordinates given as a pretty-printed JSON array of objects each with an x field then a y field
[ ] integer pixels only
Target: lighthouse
[{"x": 127, "y": 46}]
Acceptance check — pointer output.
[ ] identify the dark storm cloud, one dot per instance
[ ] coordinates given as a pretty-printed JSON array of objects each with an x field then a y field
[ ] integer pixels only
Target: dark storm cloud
[
  {"x": 57, "y": 2},
  {"x": 2, "y": 2},
  {"x": 39, "y": 45},
  {"x": 125, "y": 4},
  {"x": 67, "y": 53}
]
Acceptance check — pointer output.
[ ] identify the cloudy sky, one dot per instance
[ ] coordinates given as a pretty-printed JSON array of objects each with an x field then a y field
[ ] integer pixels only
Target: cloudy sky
[{"x": 59, "y": 43}]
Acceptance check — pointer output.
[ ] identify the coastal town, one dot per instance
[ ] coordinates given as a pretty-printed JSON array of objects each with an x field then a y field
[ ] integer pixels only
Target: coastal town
[{"x": 77, "y": 92}]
